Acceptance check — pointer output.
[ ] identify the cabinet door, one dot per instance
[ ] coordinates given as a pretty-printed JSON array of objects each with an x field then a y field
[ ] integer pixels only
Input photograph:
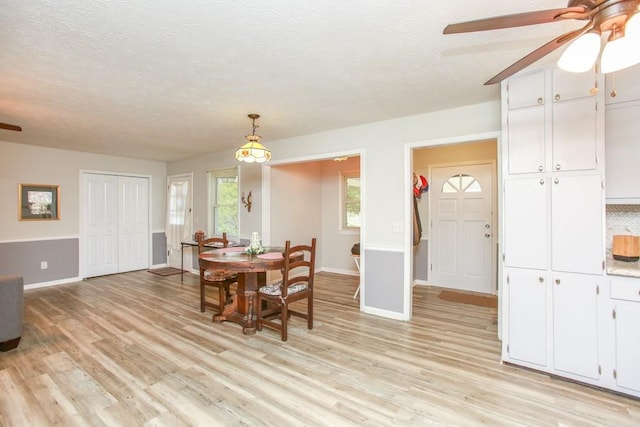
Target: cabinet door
[
  {"x": 526, "y": 90},
  {"x": 525, "y": 223},
  {"x": 622, "y": 86},
  {"x": 527, "y": 314},
  {"x": 526, "y": 140},
  {"x": 622, "y": 152},
  {"x": 574, "y": 135},
  {"x": 628, "y": 345},
  {"x": 567, "y": 86},
  {"x": 577, "y": 224},
  {"x": 575, "y": 325}
]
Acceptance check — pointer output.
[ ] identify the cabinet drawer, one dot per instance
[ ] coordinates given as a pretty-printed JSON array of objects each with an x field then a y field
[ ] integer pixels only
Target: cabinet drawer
[{"x": 626, "y": 290}]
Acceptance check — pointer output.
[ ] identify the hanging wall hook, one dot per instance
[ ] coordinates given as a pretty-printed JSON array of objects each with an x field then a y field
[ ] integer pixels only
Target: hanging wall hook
[{"x": 246, "y": 202}]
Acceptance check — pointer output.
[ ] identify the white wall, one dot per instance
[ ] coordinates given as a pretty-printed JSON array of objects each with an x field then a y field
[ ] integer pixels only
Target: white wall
[{"x": 20, "y": 163}]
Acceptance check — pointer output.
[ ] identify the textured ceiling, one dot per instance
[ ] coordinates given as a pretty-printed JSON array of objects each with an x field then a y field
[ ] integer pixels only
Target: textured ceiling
[{"x": 168, "y": 79}]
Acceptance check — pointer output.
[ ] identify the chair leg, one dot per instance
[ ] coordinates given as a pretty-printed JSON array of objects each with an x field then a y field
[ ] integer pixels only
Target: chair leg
[
  {"x": 310, "y": 312},
  {"x": 201, "y": 297},
  {"x": 259, "y": 313},
  {"x": 284, "y": 319}
]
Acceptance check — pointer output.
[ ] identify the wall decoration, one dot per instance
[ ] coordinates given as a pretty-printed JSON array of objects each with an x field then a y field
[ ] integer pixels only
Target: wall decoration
[{"x": 38, "y": 202}]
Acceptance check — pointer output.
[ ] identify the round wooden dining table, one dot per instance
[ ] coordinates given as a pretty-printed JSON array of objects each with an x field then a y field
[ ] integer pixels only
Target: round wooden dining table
[{"x": 252, "y": 274}]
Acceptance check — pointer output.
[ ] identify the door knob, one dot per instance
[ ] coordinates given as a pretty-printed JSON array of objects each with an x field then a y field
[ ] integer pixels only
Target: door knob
[{"x": 487, "y": 235}]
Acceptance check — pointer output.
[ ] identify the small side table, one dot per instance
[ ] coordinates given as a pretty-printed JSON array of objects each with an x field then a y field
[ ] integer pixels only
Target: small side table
[{"x": 356, "y": 259}]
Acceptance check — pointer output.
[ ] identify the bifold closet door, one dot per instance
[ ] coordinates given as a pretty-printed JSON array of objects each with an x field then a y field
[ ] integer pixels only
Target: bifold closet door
[{"x": 116, "y": 224}]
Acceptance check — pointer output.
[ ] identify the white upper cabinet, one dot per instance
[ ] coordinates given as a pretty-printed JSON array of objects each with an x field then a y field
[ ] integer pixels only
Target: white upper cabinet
[
  {"x": 527, "y": 142},
  {"x": 574, "y": 135},
  {"x": 567, "y": 86},
  {"x": 525, "y": 219},
  {"x": 623, "y": 85},
  {"x": 526, "y": 90},
  {"x": 577, "y": 225},
  {"x": 622, "y": 148}
]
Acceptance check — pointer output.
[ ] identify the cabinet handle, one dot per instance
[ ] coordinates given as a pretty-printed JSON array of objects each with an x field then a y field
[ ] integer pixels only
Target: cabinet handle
[
  {"x": 540, "y": 100},
  {"x": 557, "y": 281},
  {"x": 557, "y": 97},
  {"x": 541, "y": 181},
  {"x": 540, "y": 168},
  {"x": 558, "y": 167},
  {"x": 556, "y": 181},
  {"x": 541, "y": 279}
]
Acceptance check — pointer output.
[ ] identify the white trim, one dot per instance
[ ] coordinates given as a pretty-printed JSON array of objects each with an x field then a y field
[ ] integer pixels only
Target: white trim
[
  {"x": 337, "y": 271},
  {"x": 382, "y": 313},
  {"x": 39, "y": 239},
  {"x": 52, "y": 283}
]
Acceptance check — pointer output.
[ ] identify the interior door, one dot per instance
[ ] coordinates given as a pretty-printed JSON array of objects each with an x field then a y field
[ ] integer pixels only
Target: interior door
[
  {"x": 179, "y": 221},
  {"x": 133, "y": 223},
  {"x": 462, "y": 236},
  {"x": 100, "y": 208}
]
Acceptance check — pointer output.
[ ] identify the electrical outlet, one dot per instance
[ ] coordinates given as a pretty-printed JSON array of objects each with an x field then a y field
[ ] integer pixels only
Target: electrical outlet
[
  {"x": 396, "y": 227},
  {"x": 44, "y": 265}
]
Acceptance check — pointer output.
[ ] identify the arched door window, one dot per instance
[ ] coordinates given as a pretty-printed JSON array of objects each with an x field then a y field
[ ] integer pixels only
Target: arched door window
[{"x": 461, "y": 183}]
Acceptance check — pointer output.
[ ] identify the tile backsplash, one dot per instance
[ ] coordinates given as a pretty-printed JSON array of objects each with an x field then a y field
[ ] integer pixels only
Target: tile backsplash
[{"x": 622, "y": 219}]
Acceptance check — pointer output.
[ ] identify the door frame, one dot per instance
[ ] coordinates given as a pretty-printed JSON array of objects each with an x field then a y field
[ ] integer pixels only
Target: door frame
[
  {"x": 82, "y": 197},
  {"x": 188, "y": 175},
  {"x": 494, "y": 221},
  {"x": 408, "y": 210}
]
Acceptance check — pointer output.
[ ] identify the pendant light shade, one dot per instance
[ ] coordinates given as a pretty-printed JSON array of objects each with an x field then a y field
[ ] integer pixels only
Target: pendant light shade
[
  {"x": 253, "y": 151},
  {"x": 581, "y": 53}
]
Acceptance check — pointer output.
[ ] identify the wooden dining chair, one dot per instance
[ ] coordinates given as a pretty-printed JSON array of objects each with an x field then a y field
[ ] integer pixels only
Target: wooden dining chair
[
  {"x": 220, "y": 279},
  {"x": 296, "y": 285}
]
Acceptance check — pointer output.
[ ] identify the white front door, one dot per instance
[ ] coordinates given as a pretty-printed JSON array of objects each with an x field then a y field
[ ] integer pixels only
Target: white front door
[
  {"x": 179, "y": 224},
  {"x": 461, "y": 235}
]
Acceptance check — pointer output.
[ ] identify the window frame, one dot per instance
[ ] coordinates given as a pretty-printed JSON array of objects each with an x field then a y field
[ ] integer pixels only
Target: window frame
[
  {"x": 213, "y": 207},
  {"x": 343, "y": 221}
]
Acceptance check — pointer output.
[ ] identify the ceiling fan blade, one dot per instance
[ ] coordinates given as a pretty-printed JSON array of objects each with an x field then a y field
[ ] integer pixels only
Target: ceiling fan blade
[
  {"x": 515, "y": 20},
  {"x": 538, "y": 53},
  {"x": 10, "y": 127}
]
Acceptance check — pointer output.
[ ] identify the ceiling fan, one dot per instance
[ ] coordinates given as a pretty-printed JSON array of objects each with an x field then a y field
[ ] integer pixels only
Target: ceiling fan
[
  {"x": 620, "y": 17},
  {"x": 7, "y": 126}
]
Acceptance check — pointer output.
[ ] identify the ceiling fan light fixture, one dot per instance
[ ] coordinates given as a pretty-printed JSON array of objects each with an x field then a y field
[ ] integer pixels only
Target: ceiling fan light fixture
[
  {"x": 619, "y": 54},
  {"x": 581, "y": 54},
  {"x": 253, "y": 151},
  {"x": 632, "y": 27}
]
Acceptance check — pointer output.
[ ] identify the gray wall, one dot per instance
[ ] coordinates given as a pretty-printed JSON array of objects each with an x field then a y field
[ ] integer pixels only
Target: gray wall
[{"x": 24, "y": 258}]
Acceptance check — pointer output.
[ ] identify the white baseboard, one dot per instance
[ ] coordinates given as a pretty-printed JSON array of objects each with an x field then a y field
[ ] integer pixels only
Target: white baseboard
[{"x": 52, "y": 283}]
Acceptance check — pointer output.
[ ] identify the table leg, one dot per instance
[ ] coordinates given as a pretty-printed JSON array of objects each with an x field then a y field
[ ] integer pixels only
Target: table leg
[
  {"x": 181, "y": 262},
  {"x": 242, "y": 309}
]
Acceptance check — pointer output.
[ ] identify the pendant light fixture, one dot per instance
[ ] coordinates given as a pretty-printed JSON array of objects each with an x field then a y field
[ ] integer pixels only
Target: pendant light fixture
[{"x": 253, "y": 151}]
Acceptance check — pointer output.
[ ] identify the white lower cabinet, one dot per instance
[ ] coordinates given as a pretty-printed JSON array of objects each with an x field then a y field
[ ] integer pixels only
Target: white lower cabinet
[
  {"x": 527, "y": 316},
  {"x": 575, "y": 324},
  {"x": 625, "y": 297}
]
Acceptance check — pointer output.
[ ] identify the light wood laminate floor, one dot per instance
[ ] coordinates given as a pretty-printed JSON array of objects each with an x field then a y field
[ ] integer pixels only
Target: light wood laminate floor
[{"x": 133, "y": 349}]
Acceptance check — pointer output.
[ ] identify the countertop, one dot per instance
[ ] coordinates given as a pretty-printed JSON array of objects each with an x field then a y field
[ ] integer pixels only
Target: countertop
[{"x": 622, "y": 268}]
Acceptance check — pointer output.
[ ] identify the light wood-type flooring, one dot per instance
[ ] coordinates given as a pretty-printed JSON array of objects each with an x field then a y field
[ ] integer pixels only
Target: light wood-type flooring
[{"x": 134, "y": 350}]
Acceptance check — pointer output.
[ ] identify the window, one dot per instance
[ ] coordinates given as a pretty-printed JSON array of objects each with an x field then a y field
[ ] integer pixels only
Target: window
[
  {"x": 461, "y": 183},
  {"x": 223, "y": 202},
  {"x": 350, "y": 206}
]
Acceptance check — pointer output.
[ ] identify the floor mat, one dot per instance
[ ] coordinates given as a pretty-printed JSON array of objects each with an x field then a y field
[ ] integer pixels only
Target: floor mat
[
  {"x": 483, "y": 300},
  {"x": 166, "y": 271}
]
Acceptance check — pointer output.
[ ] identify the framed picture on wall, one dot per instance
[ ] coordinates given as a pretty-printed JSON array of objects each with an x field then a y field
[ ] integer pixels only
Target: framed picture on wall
[{"x": 38, "y": 202}]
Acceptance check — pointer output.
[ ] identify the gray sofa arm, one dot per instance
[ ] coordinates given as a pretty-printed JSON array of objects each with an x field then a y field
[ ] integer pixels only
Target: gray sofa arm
[{"x": 11, "y": 311}]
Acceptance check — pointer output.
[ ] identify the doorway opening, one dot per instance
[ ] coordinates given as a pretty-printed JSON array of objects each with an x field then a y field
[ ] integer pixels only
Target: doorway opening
[{"x": 459, "y": 214}]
